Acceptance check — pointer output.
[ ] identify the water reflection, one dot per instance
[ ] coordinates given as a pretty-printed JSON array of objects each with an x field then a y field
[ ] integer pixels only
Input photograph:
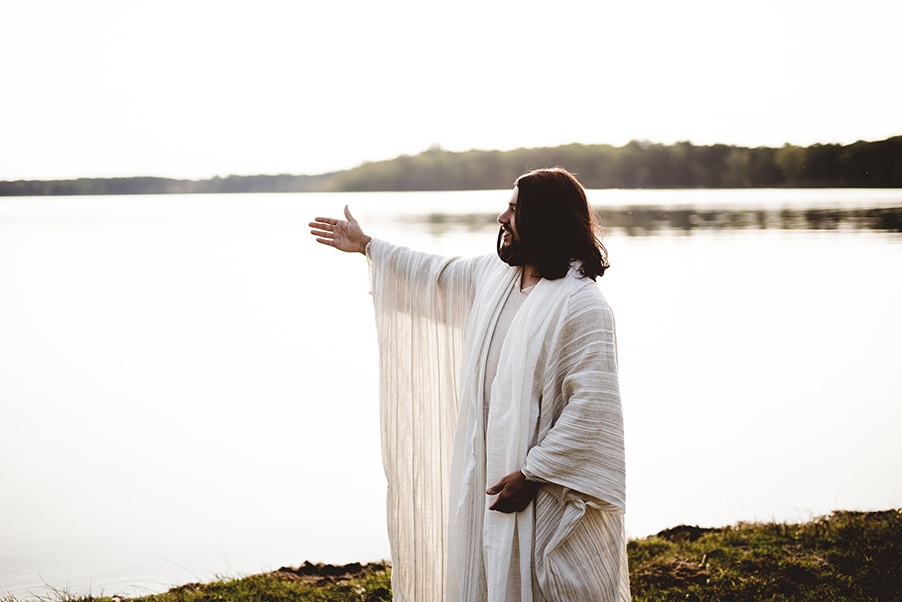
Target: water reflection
[
  {"x": 645, "y": 220},
  {"x": 641, "y": 221}
]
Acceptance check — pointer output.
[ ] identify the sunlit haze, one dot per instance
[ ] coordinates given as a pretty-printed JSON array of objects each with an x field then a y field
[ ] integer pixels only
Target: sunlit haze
[{"x": 202, "y": 88}]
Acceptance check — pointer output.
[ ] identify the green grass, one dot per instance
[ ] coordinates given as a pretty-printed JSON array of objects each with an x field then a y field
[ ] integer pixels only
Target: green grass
[
  {"x": 371, "y": 587},
  {"x": 844, "y": 557},
  {"x": 371, "y": 583}
]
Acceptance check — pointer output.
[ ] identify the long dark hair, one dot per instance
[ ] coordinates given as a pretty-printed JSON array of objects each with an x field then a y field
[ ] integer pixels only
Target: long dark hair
[{"x": 556, "y": 224}]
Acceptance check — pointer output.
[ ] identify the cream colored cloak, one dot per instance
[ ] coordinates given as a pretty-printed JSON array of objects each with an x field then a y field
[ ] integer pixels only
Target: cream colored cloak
[{"x": 555, "y": 411}]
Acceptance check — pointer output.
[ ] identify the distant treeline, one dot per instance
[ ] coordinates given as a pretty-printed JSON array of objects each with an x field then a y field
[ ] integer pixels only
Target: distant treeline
[
  {"x": 642, "y": 165},
  {"x": 634, "y": 165},
  {"x": 148, "y": 185}
]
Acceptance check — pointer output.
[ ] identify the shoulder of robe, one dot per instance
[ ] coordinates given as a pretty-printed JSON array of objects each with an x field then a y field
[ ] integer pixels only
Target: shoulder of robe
[
  {"x": 587, "y": 304},
  {"x": 488, "y": 261},
  {"x": 489, "y": 264}
]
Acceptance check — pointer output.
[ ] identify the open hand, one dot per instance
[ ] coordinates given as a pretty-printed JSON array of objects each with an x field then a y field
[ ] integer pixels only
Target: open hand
[
  {"x": 514, "y": 493},
  {"x": 344, "y": 235}
]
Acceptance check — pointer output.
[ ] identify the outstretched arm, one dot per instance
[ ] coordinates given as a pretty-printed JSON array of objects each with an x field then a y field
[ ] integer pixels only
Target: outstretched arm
[{"x": 344, "y": 235}]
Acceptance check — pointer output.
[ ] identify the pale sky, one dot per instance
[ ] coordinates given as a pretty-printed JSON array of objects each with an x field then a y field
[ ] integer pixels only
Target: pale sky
[{"x": 197, "y": 88}]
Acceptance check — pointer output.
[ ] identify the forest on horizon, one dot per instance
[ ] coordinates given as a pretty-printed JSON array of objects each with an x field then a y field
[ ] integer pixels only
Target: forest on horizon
[{"x": 637, "y": 164}]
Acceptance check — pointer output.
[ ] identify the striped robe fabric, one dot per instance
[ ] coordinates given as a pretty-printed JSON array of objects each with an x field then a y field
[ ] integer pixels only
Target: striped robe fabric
[{"x": 555, "y": 411}]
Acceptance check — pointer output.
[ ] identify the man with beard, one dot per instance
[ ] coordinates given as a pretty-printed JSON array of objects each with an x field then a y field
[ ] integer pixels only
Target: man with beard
[{"x": 518, "y": 349}]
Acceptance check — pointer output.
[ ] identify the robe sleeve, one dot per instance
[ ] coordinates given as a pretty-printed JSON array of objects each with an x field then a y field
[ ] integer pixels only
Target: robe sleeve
[
  {"x": 422, "y": 303},
  {"x": 428, "y": 286},
  {"x": 583, "y": 450}
]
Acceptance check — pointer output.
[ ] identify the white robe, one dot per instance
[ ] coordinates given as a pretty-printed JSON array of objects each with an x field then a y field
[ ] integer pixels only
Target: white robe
[{"x": 555, "y": 411}]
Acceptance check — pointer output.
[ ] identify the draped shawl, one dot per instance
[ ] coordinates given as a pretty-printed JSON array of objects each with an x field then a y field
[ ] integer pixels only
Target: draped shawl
[{"x": 555, "y": 411}]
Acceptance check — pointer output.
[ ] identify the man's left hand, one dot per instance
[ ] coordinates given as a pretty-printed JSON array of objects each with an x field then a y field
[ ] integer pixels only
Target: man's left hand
[{"x": 514, "y": 493}]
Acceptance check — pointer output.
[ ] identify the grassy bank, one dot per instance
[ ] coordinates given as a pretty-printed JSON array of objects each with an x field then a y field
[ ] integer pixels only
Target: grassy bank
[{"x": 847, "y": 556}]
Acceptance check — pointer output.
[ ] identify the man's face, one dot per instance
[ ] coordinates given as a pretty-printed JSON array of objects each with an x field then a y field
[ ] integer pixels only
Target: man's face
[
  {"x": 508, "y": 222},
  {"x": 510, "y": 247}
]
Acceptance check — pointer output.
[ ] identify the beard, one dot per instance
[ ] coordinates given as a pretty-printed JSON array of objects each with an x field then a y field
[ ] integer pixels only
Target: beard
[{"x": 514, "y": 253}]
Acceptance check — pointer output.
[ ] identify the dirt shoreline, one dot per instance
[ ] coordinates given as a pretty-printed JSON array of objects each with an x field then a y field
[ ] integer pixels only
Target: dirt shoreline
[{"x": 318, "y": 574}]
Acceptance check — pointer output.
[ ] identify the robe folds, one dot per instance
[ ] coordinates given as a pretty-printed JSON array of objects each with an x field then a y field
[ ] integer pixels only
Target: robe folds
[{"x": 554, "y": 412}]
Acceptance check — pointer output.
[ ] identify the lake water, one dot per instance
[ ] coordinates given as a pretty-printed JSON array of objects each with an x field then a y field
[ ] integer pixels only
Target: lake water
[{"x": 168, "y": 369}]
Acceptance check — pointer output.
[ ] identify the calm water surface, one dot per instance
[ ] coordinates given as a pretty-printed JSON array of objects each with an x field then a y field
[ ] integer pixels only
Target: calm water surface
[{"x": 187, "y": 383}]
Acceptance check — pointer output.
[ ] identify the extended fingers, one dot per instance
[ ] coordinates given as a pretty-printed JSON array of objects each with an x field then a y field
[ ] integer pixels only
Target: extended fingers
[{"x": 324, "y": 225}]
